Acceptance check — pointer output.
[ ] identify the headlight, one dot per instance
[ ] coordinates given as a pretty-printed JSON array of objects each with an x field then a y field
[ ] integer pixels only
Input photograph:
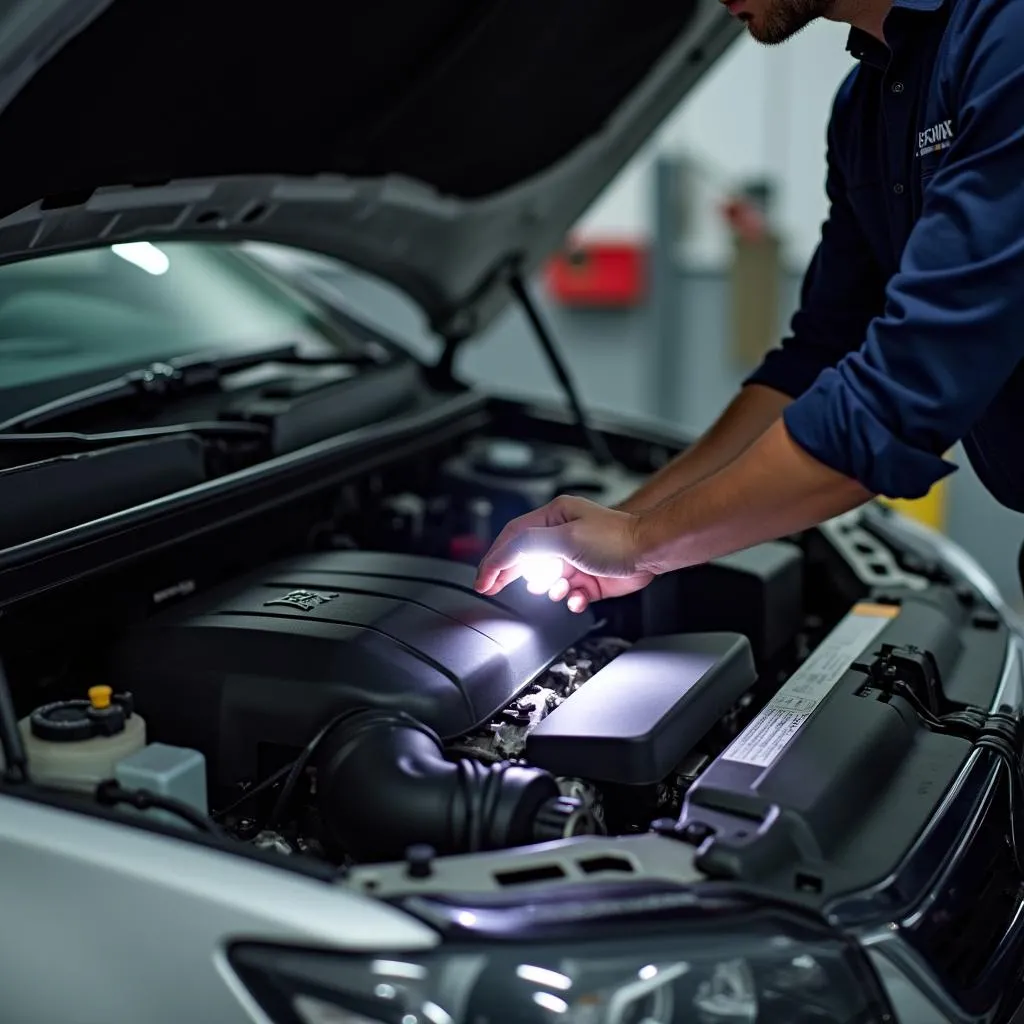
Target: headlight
[{"x": 754, "y": 971}]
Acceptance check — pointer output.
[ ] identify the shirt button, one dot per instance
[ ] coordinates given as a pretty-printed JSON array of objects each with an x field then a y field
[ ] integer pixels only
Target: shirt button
[
  {"x": 897, "y": 87},
  {"x": 898, "y": 189}
]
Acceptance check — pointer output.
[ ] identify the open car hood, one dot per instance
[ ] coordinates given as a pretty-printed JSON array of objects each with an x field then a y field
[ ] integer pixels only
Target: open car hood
[{"x": 441, "y": 145}]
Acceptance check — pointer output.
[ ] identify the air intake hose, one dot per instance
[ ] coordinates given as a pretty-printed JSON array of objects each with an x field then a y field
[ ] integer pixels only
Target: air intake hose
[{"x": 384, "y": 784}]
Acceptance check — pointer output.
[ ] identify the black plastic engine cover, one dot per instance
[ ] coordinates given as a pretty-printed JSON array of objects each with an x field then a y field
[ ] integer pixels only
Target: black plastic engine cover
[
  {"x": 269, "y": 658},
  {"x": 757, "y": 592},
  {"x": 644, "y": 712},
  {"x": 831, "y": 784}
]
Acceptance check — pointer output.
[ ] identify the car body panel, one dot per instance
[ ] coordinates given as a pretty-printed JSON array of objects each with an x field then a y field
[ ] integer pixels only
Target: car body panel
[
  {"x": 139, "y": 923},
  {"x": 413, "y": 214}
]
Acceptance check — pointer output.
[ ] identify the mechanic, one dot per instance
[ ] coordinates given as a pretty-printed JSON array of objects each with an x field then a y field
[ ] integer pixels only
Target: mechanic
[{"x": 910, "y": 330}]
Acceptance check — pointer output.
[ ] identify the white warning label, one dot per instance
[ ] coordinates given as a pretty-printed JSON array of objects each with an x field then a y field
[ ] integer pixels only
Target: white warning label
[{"x": 769, "y": 733}]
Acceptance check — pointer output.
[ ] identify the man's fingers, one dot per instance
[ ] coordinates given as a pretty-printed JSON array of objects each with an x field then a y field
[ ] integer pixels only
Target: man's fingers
[
  {"x": 577, "y": 589},
  {"x": 497, "y": 581},
  {"x": 539, "y": 531},
  {"x": 485, "y": 581},
  {"x": 501, "y": 557},
  {"x": 512, "y": 543},
  {"x": 497, "y": 566}
]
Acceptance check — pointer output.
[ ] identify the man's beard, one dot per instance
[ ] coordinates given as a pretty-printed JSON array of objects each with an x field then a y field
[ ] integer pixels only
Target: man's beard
[{"x": 784, "y": 18}]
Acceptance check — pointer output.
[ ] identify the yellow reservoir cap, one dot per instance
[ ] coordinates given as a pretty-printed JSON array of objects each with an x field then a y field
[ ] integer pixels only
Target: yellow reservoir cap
[{"x": 99, "y": 696}]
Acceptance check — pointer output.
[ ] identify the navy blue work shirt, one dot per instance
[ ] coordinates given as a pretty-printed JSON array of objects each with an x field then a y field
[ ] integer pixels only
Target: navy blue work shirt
[{"x": 910, "y": 333}]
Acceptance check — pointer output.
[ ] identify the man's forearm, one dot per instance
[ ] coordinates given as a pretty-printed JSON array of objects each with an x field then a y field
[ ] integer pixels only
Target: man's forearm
[
  {"x": 772, "y": 490},
  {"x": 747, "y": 417}
]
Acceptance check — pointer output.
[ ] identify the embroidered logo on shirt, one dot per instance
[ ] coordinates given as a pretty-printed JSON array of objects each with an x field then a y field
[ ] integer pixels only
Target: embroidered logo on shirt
[{"x": 938, "y": 137}]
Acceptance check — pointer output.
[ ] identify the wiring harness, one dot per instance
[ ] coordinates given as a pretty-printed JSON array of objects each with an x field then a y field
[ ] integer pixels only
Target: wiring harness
[
  {"x": 110, "y": 793},
  {"x": 910, "y": 674}
]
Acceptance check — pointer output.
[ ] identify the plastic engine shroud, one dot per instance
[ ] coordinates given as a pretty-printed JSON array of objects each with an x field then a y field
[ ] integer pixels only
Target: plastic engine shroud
[{"x": 266, "y": 659}]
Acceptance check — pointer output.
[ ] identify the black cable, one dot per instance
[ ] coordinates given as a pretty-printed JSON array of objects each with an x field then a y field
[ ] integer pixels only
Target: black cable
[
  {"x": 266, "y": 784},
  {"x": 1001, "y": 734},
  {"x": 998, "y": 732},
  {"x": 293, "y": 770},
  {"x": 594, "y": 440},
  {"x": 11, "y": 743},
  {"x": 299, "y": 765},
  {"x": 111, "y": 793}
]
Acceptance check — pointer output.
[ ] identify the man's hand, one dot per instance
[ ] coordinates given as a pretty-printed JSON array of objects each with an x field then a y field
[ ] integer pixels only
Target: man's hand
[
  {"x": 773, "y": 489},
  {"x": 598, "y": 547}
]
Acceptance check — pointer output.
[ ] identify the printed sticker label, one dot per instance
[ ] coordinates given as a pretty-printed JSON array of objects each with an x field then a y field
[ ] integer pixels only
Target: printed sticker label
[{"x": 763, "y": 741}]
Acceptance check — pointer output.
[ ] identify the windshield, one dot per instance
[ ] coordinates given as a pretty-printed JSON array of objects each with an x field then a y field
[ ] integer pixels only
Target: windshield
[{"x": 67, "y": 319}]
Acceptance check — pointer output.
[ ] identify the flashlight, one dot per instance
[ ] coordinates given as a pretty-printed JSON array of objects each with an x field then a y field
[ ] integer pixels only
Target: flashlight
[{"x": 541, "y": 572}]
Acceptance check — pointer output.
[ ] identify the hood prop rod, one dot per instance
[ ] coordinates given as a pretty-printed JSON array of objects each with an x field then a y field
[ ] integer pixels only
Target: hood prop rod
[
  {"x": 15, "y": 758},
  {"x": 594, "y": 440}
]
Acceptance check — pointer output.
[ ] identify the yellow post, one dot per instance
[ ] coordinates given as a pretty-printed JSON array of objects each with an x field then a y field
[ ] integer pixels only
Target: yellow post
[{"x": 929, "y": 510}]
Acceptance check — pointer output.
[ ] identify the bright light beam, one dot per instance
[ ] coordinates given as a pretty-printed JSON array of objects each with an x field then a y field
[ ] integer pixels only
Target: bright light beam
[{"x": 541, "y": 572}]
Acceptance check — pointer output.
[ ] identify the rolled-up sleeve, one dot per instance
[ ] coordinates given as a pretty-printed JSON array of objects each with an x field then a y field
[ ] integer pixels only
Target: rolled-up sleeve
[
  {"x": 952, "y": 330},
  {"x": 843, "y": 289}
]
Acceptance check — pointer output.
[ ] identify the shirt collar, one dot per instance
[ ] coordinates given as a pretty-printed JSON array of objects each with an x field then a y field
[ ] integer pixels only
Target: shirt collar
[{"x": 866, "y": 48}]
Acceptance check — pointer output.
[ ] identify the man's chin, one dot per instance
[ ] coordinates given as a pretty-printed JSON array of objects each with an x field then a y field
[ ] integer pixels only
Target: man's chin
[
  {"x": 765, "y": 35},
  {"x": 769, "y": 29}
]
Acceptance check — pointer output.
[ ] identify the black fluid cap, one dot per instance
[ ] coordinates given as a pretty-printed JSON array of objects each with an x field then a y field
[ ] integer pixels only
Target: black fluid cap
[
  {"x": 697, "y": 831},
  {"x": 71, "y": 721},
  {"x": 419, "y": 860}
]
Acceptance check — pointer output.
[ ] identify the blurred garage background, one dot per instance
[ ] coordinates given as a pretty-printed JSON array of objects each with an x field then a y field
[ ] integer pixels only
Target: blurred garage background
[{"x": 689, "y": 267}]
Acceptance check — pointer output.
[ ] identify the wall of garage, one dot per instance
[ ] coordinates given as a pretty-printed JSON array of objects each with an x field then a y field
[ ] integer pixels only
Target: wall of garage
[{"x": 759, "y": 112}]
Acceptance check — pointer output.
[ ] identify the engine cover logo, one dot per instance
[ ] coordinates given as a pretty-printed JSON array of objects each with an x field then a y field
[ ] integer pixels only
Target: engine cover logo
[{"x": 304, "y": 600}]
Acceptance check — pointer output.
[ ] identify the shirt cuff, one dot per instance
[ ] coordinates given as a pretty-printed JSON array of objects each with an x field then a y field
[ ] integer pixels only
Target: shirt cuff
[
  {"x": 788, "y": 370},
  {"x": 832, "y": 424}
]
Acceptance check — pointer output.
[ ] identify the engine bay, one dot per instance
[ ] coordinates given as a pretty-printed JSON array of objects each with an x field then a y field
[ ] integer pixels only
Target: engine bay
[
  {"x": 480, "y": 724},
  {"x": 356, "y": 703},
  {"x": 345, "y": 697}
]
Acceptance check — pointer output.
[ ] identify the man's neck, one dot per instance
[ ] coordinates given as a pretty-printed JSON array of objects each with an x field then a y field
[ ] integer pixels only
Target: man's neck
[{"x": 867, "y": 15}]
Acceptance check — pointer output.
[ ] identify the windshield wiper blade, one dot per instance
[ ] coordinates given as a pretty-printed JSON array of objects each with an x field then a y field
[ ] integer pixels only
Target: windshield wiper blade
[
  {"x": 71, "y": 440},
  {"x": 157, "y": 382}
]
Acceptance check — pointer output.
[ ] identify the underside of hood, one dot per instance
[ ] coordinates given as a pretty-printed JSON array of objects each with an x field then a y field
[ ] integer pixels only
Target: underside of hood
[{"x": 441, "y": 145}]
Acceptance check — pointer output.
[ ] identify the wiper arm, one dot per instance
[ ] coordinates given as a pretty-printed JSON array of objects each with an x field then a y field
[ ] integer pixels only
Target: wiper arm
[
  {"x": 158, "y": 382},
  {"x": 62, "y": 442}
]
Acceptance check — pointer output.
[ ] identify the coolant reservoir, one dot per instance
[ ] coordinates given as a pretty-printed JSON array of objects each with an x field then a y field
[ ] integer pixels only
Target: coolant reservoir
[{"x": 75, "y": 744}]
